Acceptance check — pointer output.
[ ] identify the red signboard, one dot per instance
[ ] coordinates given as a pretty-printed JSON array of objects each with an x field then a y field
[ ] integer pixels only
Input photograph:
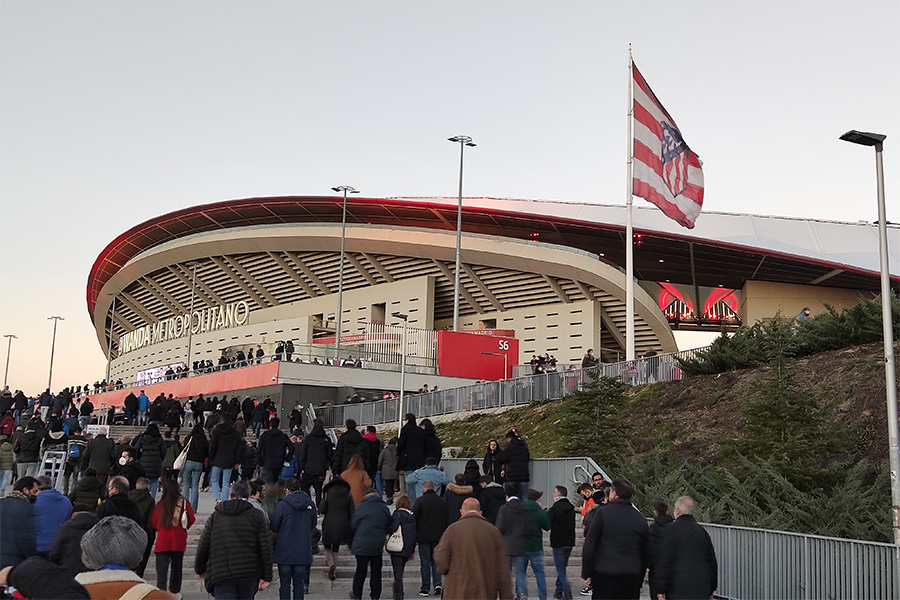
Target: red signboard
[{"x": 476, "y": 356}]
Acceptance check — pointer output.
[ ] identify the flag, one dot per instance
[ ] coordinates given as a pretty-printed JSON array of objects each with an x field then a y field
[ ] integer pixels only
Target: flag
[{"x": 665, "y": 171}]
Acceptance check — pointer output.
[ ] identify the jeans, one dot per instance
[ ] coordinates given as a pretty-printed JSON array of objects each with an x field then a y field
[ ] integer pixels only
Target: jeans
[
  {"x": 561, "y": 561},
  {"x": 363, "y": 564},
  {"x": 163, "y": 560},
  {"x": 154, "y": 486},
  {"x": 129, "y": 417},
  {"x": 142, "y": 417},
  {"x": 26, "y": 468},
  {"x": 427, "y": 567},
  {"x": 270, "y": 476},
  {"x": 379, "y": 483},
  {"x": 411, "y": 491},
  {"x": 191, "y": 482},
  {"x": 398, "y": 563},
  {"x": 519, "y": 564},
  {"x": 18, "y": 416},
  {"x": 236, "y": 589},
  {"x": 296, "y": 575},
  {"x": 4, "y": 480},
  {"x": 84, "y": 421},
  {"x": 256, "y": 426},
  {"x": 220, "y": 478}
]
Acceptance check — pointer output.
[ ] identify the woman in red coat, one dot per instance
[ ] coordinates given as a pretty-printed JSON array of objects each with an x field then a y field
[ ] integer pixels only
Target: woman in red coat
[{"x": 172, "y": 517}]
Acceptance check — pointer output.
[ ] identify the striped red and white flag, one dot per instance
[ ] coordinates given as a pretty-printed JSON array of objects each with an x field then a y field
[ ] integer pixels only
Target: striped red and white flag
[{"x": 665, "y": 171}]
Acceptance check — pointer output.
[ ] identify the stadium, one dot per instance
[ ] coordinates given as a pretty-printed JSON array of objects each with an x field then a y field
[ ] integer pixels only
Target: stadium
[{"x": 200, "y": 285}]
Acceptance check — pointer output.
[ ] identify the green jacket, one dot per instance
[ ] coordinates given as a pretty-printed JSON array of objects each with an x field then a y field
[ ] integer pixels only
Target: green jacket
[
  {"x": 541, "y": 522},
  {"x": 6, "y": 457}
]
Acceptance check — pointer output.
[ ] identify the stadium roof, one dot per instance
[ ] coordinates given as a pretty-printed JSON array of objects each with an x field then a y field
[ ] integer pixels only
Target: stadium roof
[{"x": 722, "y": 250}]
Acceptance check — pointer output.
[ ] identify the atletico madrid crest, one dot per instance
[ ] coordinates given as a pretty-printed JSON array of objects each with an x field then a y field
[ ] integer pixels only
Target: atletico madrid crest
[{"x": 674, "y": 159}]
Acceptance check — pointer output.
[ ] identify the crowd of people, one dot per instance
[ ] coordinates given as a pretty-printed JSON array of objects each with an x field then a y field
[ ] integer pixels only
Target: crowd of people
[{"x": 282, "y": 497}]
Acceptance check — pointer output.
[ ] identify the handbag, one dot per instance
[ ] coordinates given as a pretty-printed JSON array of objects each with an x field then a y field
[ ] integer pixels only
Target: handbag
[
  {"x": 184, "y": 515},
  {"x": 182, "y": 457},
  {"x": 395, "y": 541}
]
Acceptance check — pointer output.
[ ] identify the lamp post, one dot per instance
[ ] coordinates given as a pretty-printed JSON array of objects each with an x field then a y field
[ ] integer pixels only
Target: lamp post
[
  {"x": 112, "y": 322},
  {"x": 505, "y": 362},
  {"x": 876, "y": 139},
  {"x": 8, "y": 349},
  {"x": 193, "y": 265},
  {"x": 463, "y": 141},
  {"x": 52, "y": 348},
  {"x": 337, "y": 328},
  {"x": 405, "y": 318}
]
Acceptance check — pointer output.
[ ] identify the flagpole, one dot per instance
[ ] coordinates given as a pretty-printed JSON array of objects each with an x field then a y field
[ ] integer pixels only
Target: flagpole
[{"x": 629, "y": 230}]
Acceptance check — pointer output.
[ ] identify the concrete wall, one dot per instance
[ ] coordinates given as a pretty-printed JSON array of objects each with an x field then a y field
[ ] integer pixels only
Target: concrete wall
[{"x": 763, "y": 299}]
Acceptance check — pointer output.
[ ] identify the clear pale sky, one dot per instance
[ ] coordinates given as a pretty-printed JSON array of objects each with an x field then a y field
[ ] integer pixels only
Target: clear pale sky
[{"x": 112, "y": 113}]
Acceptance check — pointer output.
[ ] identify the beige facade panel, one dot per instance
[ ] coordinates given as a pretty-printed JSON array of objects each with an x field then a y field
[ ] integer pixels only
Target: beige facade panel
[{"x": 762, "y": 299}]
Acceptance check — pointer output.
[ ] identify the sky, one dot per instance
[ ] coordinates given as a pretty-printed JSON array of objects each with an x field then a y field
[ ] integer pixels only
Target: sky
[{"x": 112, "y": 113}]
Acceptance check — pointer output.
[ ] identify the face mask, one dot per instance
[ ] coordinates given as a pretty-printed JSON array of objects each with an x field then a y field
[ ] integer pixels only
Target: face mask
[{"x": 123, "y": 461}]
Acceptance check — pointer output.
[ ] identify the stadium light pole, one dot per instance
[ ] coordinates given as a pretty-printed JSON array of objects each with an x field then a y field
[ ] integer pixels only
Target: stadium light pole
[
  {"x": 8, "y": 349},
  {"x": 876, "y": 139},
  {"x": 505, "y": 362},
  {"x": 463, "y": 141},
  {"x": 346, "y": 189},
  {"x": 193, "y": 265},
  {"x": 112, "y": 321},
  {"x": 52, "y": 348},
  {"x": 405, "y": 318}
]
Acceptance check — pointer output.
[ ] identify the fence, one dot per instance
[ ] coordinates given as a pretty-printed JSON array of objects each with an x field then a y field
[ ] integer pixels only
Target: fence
[
  {"x": 764, "y": 564},
  {"x": 545, "y": 472},
  {"x": 506, "y": 392}
]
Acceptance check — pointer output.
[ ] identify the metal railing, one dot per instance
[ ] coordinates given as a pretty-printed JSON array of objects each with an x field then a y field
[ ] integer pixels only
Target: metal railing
[
  {"x": 506, "y": 392},
  {"x": 765, "y": 564},
  {"x": 545, "y": 473}
]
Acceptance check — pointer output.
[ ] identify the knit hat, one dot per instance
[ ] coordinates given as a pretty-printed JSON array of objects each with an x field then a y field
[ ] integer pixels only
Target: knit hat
[{"x": 113, "y": 541}]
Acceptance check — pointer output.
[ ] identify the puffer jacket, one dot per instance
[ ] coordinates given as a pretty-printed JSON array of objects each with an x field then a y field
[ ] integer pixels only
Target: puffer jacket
[
  {"x": 28, "y": 447},
  {"x": 337, "y": 508},
  {"x": 66, "y": 549},
  {"x": 387, "y": 462},
  {"x": 6, "y": 456},
  {"x": 515, "y": 458},
  {"x": 294, "y": 520},
  {"x": 153, "y": 450},
  {"x": 316, "y": 452},
  {"x": 226, "y": 448},
  {"x": 404, "y": 519},
  {"x": 370, "y": 525},
  {"x": 235, "y": 544},
  {"x": 351, "y": 442},
  {"x": 89, "y": 490}
]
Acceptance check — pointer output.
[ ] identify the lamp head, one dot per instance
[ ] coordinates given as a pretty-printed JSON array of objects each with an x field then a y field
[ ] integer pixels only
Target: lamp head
[{"x": 863, "y": 138}]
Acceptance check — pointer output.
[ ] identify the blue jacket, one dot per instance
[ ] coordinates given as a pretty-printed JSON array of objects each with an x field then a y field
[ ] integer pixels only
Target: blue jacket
[
  {"x": 16, "y": 531},
  {"x": 293, "y": 521},
  {"x": 51, "y": 509},
  {"x": 370, "y": 527},
  {"x": 143, "y": 403},
  {"x": 290, "y": 471},
  {"x": 428, "y": 473}
]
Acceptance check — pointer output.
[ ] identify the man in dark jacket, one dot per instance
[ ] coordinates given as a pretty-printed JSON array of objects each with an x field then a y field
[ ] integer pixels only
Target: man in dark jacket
[
  {"x": 661, "y": 519},
  {"x": 562, "y": 538},
  {"x": 247, "y": 407},
  {"x": 17, "y": 529},
  {"x": 515, "y": 460},
  {"x": 100, "y": 455},
  {"x": 316, "y": 454},
  {"x": 129, "y": 467},
  {"x": 430, "y": 512},
  {"x": 273, "y": 450},
  {"x": 28, "y": 451},
  {"x": 293, "y": 522},
  {"x": 131, "y": 408},
  {"x": 118, "y": 503},
  {"x": 351, "y": 442},
  {"x": 687, "y": 563},
  {"x": 370, "y": 526},
  {"x": 616, "y": 551},
  {"x": 410, "y": 450},
  {"x": 516, "y": 525},
  {"x": 491, "y": 498},
  {"x": 234, "y": 555},
  {"x": 66, "y": 548}
]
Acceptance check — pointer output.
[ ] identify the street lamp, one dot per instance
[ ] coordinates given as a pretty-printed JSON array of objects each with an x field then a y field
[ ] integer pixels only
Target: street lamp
[
  {"x": 876, "y": 139},
  {"x": 337, "y": 330},
  {"x": 463, "y": 141},
  {"x": 52, "y": 348},
  {"x": 405, "y": 318},
  {"x": 193, "y": 265},
  {"x": 505, "y": 362},
  {"x": 112, "y": 322},
  {"x": 8, "y": 349}
]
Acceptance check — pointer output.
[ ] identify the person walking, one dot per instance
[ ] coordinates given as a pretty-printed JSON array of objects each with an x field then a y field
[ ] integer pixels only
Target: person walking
[
  {"x": 369, "y": 527},
  {"x": 491, "y": 497},
  {"x": 274, "y": 449},
  {"x": 225, "y": 451},
  {"x": 51, "y": 510},
  {"x": 198, "y": 451},
  {"x": 355, "y": 474},
  {"x": 562, "y": 539},
  {"x": 387, "y": 468},
  {"x": 66, "y": 548},
  {"x": 429, "y": 472},
  {"x": 471, "y": 555},
  {"x": 535, "y": 544},
  {"x": 515, "y": 460},
  {"x": 152, "y": 450},
  {"x": 316, "y": 454},
  {"x": 687, "y": 563},
  {"x": 337, "y": 509},
  {"x": 410, "y": 451},
  {"x": 17, "y": 531},
  {"x": 234, "y": 555},
  {"x": 455, "y": 494},
  {"x": 171, "y": 519},
  {"x": 403, "y": 520},
  {"x": 430, "y": 512},
  {"x": 616, "y": 553},
  {"x": 27, "y": 450},
  {"x": 293, "y": 523},
  {"x": 100, "y": 454},
  {"x": 516, "y": 524},
  {"x": 351, "y": 442},
  {"x": 661, "y": 520}
]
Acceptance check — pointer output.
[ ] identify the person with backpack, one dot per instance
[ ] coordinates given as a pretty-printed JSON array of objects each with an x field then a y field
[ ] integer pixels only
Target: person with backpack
[
  {"x": 171, "y": 519},
  {"x": 403, "y": 520}
]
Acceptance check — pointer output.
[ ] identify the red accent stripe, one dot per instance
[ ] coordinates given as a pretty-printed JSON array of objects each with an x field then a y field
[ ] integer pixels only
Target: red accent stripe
[
  {"x": 642, "y": 83},
  {"x": 649, "y": 193},
  {"x": 643, "y": 116},
  {"x": 648, "y": 157}
]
